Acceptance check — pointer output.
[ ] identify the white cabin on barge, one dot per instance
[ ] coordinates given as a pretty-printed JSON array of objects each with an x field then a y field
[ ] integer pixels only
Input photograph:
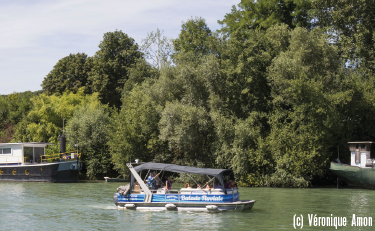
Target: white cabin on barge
[
  {"x": 360, "y": 154},
  {"x": 22, "y": 153}
]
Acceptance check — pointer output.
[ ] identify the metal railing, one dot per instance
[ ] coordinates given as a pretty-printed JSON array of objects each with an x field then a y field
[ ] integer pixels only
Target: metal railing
[
  {"x": 19, "y": 160},
  {"x": 11, "y": 160},
  {"x": 61, "y": 156}
]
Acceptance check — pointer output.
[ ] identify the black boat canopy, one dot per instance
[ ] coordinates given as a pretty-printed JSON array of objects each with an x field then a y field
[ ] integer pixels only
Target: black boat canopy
[{"x": 218, "y": 173}]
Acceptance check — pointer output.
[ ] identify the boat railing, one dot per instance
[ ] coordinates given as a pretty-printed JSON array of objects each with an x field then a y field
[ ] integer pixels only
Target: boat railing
[
  {"x": 61, "y": 156},
  {"x": 11, "y": 160},
  {"x": 138, "y": 190}
]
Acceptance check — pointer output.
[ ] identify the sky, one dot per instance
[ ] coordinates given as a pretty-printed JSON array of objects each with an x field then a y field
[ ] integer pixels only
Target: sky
[{"x": 36, "y": 34}]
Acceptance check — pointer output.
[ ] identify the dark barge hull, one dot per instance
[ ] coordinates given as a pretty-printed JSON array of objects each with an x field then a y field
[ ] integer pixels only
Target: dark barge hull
[
  {"x": 58, "y": 172},
  {"x": 362, "y": 177}
]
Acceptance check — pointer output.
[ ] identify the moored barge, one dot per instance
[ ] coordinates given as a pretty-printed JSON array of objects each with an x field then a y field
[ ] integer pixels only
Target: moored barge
[
  {"x": 361, "y": 170},
  {"x": 29, "y": 162}
]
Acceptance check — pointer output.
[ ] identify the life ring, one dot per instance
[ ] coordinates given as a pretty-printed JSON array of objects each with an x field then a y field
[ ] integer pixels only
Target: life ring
[{"x": 65, "y": 157}]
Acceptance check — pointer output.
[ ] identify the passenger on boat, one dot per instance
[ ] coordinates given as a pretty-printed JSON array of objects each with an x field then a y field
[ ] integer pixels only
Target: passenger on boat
[
  {"x": 158, "y": 184},
  {"x": 217, "y": 185},
  {"x": 187, "y": 185},
  {"x": 151, "y": 180},
  {"x": 234, "y": 184},
  {"x": 228, "y": 184},
  {"x": 168, "y": 184},
  {"x": 208, "y": 186},
  {"x": 199, "y": 186}
]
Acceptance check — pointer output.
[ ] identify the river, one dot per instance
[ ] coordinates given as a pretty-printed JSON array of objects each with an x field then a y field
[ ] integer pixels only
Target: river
[{"x": 89, "y": 206}]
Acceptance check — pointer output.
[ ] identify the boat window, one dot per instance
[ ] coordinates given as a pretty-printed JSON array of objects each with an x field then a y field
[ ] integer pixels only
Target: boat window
[
  {"x": 5, "y": 151},
  {"x": 28, "y": 154},
  {"x": 38, "y": 151}
]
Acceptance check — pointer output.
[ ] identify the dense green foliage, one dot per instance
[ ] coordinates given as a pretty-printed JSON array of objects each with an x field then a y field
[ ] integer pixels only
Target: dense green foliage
[
  {"x": 68, "y": 75},
  {"x": 262, "y": 14},
  {"x": 13, "y": 109},
  {"x": 44, "y": 122},
  {"x": 88, "y": 128},
  {"x": 272, "y": 95},
  {"x": 118, "y": 52}
]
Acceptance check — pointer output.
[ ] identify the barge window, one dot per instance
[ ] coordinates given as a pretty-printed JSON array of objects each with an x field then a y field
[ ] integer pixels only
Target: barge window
[
  {"x": 28, "y": 154},
  {"x": 5, "y": 151},
  {"x": 38, "y": 151}
]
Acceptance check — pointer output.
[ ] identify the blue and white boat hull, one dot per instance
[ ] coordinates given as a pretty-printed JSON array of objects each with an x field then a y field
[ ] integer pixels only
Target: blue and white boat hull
[{"x": 181, "y": 202}]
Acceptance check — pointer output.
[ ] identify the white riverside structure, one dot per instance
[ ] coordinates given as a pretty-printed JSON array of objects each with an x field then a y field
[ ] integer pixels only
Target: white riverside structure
[{"x": 141, "y": 197}]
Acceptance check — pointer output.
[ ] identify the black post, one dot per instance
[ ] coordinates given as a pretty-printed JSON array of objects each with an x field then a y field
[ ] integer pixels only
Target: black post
[{"x": 62, "y": 144}]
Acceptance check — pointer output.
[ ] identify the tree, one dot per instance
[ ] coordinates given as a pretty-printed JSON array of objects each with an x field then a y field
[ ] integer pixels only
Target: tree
[
  {"x": 194, "y": 39},
  {"x": 13, "y": 108},
  {"x": 134, "y": 130},
  {"x": 186, "y": 128},
  {"x": 138, "y": 73},
  {"x": 68, "y": 75},
  {"x": 351, "y": 25},
  {"x": 89, "y": 127},
  {"x": 245, "y": 88},
  {"x": 44, "y": 122},
  {"x": 262, "y": 14},
  {"x": 305, "y": 87},
  {"x": 118, "y": 52},
  {"x": 157, "y": 48}
]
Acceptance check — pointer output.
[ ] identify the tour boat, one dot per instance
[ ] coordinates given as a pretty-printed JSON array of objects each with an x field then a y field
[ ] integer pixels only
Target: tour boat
[
  {"x": 138, "y": 196},
  {"x": 29, "y": 162},
  {"x": 361, "y": 171}
]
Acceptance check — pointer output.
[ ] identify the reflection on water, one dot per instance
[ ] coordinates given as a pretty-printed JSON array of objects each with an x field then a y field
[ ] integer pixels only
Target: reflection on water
[
  {"x": 360, "y": 203},
  {"x": 89, "y": 206}
]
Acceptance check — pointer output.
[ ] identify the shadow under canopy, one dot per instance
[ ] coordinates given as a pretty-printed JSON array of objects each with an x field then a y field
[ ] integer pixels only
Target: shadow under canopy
[{"x": 218, "y": 173}]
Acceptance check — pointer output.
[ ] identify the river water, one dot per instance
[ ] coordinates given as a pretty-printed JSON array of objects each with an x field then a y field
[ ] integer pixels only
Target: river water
[{"x": 89, "y": 206}]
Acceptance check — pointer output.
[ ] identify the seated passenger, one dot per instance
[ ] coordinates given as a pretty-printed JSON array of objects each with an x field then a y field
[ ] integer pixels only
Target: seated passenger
[
  {"x": 208, "y": 186},
  {"x": 199, "y": 186},
  {"x": 228, "y": 185},
  {"x": 187, "y": 185},
  {"x": 217, "y": 185},
  {"x": 168, "y": 184},
  {"x": 234, "y": 184}
]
